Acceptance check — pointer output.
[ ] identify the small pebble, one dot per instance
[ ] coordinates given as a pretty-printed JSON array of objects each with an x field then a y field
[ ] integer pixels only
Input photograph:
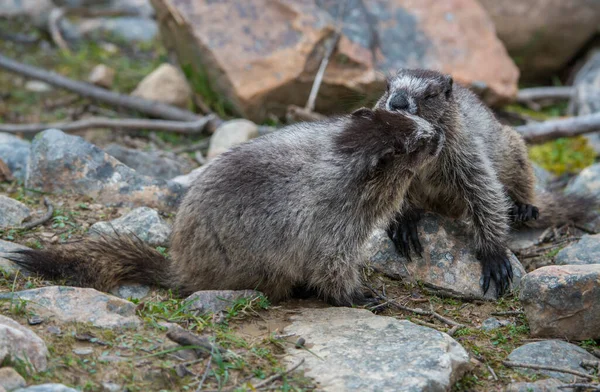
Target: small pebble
[
  {"x": 300, "y": 342},
  {"x": 83, "y": 351},
  {"x": 35, "y": 320}
]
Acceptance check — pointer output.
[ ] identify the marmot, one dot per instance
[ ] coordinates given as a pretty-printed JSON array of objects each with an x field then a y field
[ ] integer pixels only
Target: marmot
[
  {"x": 286, "y": 210},
  {"x": 483, "y": 173}
]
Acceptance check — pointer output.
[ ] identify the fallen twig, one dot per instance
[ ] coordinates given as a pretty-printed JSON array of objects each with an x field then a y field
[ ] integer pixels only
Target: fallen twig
[
  {"x": 150, "y": 108},
  {"x": 182, "y": 127},
  {"x": 508, "y": 313},
  {"x": 553, "y": 129},
  {"x": 528, "y": 96},
  {"x": 550, "y": 368},
  {"x": 54, "y": 19},
  {"x": 590, "y": 387},
  {"x": 276, "y": 377},
  {"x": 202, "y": 346},
  {"x": 205, "y": 375},
  {"x": 47, "y": 216}
]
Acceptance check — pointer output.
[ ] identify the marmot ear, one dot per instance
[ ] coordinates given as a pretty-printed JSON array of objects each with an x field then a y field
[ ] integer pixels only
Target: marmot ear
[
  {"x": 363, "y": 112},
  {"x": 449, "y": 82}
]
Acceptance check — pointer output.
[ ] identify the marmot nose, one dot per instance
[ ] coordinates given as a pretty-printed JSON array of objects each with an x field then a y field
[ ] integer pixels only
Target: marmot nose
[{"x": 399, "y": 101}]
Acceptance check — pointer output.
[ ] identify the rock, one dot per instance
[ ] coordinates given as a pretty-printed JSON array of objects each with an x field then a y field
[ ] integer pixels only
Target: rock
[
  {"x": 587, "y": 182},
  {"x": 543, "y": 177},
  {"x": 12, "y": 212},
  {"x": 217, "y": 300},
  {"x": 37, "y": 86},
  {"x": 6, "y": 265},
  {"x": 523, "y": 238},
  {"x": 163, "y": 166},
  {"x": 355, "y": 350},
  {"x": 63, "y": 163},
  {"x": 543, "y": 35},
  {"x": 493, "y": 323},
  {"x": 111, "y": 387},
  {"x": 547, "y": 385},
  {"x": 448, "y": 264},
  {"x": 131, "y": 29},
  {"x": 15, "y": 153},
  {"x": 586, "y": 99},
  {"x": 46, "y": 388},
  {"x": 563, "y": 301},
  {"x": 36, "y": 11},
  {"x": 144, "y": 222},
  {"x": 135, "y": 291},
  {"x": 229, "y": 134},
  {"x": 10, "y": 379},
  {"x": 102, "y": 76},
  {"x": 83, "y": 305},
  {"x": 585, "y": 251},
  {"x": 555, "y": 353},
  {"x": 165, "y": 84},
  {"x": 83, "y": 351},
  {"x": 187, "y": 179},
  {"x": 19, "y": 342},
  {"x": 264, "y": 56}
]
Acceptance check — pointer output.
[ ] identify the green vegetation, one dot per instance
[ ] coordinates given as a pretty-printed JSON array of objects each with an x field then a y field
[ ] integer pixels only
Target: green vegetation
[{"x": 564, "y": 155}]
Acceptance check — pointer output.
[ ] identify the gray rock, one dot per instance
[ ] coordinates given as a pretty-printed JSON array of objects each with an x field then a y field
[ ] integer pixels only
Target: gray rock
[
  {"x": 547, "y": 385},
  {"x": 6, "y": 265},
  {"x": 37, "y": 86},
  {"x": 187, "y": 179},
  {"x": 585, "y": 251},
  {"x": 493, "y": 323},
  {"x": 586, "y": 99},
  {"x": 10, "y": 379},
  {"x": 217, "y": 300},
  {"x": 355, "y": 350},
  {"x": 111, "y": 387},
  {"x": 36, "y": 11},
  {"x": 131, "y": 29},
  {"x": 163, "y": 166},
  {"x": 15, "y": 153},
  {"x": 83, "y": 351},
  {"x": 543, "y": 177},
  {"x": 587, "y": 182},
  {"x": 555, "y": 353},
  {"x": 144, "y": 222},
  {"x": 563, "y": 301},
  {"x": 135, "y": 291},
  {"x": 448, "y": 264},
  {"x": 12, "y": 212},
  {"x": 229, "y": 134},
  {"x": 19, "y": 342},
  {"x": 63, "y": 163},
  {"x": 73, "y": 304},
  {"x": 523, "y": 238},
  {"x": 47, "y": 388}
]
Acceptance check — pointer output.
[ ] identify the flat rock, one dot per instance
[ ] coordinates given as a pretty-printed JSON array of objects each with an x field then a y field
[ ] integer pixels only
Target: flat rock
[
  {"x": 214, "y": 301},
  {"x": 585, "y": 251},
  {"x": 143, "y": 222},
  {"x": 12, "y": 212},
  {"x": 154, "y": 164},
  {"x": 547, "y": 385},
  {"x": 543, "y": 35},
  {"x": 493, "y": 323},
  {"x": 47, "y": 388},
  {"x": 229, "y": 134},
  {"x": 83, "y": 305},
  {"x": 10, "y": 379},
  {"x": 6, "y": 265},
  {"x": 14, "y": 152},
  {"x": 448, "y": 264},
  {"x": 555, "y": 353},
  {"x": 17, "y": 341},
  {"x": 264, "y": 56},
  {"x": 563, "y": 301},
  {"x": 165, "y": 84},
  {"x": 355, "y": 350},
  {"x": 131, "y": 29},
  {"x": 523, "y": 238},
  {"x": 133, "y": 291},
  {"x": 61, "y": 163},
  {"x": 586, "y": 182}
]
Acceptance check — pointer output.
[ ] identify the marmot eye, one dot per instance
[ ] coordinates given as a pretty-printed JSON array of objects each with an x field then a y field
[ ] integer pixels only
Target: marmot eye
[{"x": 432, "y": 95}]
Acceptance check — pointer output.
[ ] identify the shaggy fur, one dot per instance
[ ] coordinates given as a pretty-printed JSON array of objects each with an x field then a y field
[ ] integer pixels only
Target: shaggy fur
[
  {"x": 483, "y": 172},
  {"x": 290, "y": 209}
]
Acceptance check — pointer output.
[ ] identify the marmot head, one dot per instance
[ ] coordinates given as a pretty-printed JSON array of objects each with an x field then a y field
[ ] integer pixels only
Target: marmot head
[
  {"x": 384, "y": 139},
  {"x": 420, "y": 92}
]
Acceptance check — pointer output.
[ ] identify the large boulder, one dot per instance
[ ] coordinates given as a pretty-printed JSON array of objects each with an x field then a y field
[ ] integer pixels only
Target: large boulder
[
  {"x": 264, "y": 56},
  {"x": 61, "y": 163},
  {"x": 355, "y": 350},
  {"x": 143, "y": 222},
  {"x": 14, "y": 152},
  {"x": 543, "y": 35},
  {"x": 19, "y": 342},
  {"x": 12, "y": 212}
]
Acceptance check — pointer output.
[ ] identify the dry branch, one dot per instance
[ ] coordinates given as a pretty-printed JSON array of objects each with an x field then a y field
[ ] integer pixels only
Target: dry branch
[
  {"x": 278, "y": 376},
  {"x": 47, "y": 216},
  {"x": 202, "y": 346},
  {"x": 150, "y": 108},
  {"x": 578, "y": 386},
  {"x": 550, "y": 368},
  {"x": 182, "y": 127},
  {"x": 53, "y": 25},
  {"x": 553, "y": 129},
  {"x": 542, "y": 93}
]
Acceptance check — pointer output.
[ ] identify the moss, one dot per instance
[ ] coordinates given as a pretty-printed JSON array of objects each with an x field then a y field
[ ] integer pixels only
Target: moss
[{"x": 564, "y": 155}]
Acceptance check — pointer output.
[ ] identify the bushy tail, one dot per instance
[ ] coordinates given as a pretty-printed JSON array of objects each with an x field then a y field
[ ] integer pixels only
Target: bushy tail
[
  {"x": 558, "y": 209},
  {"x": 101, "y": 262}
]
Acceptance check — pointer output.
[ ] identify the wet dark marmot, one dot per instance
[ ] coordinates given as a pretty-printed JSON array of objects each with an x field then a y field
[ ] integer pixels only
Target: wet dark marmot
[
  {"x": 292, "y": 208},
  {"x": 483, "y": 173}
]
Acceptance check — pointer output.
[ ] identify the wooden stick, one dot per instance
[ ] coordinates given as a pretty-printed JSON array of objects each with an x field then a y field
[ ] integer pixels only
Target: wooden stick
[
  {"x": 47, "y": 216},
  {"x": 278, "y": 376},
  {"x": 554, "y": 129},
  {"x": 150, "y": 108},
  {"x": 508, "y": 313},
  {"x": 540, "y": 93},
  {"x": 53, "y": 25},
  {"x": 549, "y": 368},
  {"x": 133, "y": 124}
]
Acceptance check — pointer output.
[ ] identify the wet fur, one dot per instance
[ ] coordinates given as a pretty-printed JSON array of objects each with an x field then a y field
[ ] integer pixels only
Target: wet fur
[{"x": 286, "y": 210}]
